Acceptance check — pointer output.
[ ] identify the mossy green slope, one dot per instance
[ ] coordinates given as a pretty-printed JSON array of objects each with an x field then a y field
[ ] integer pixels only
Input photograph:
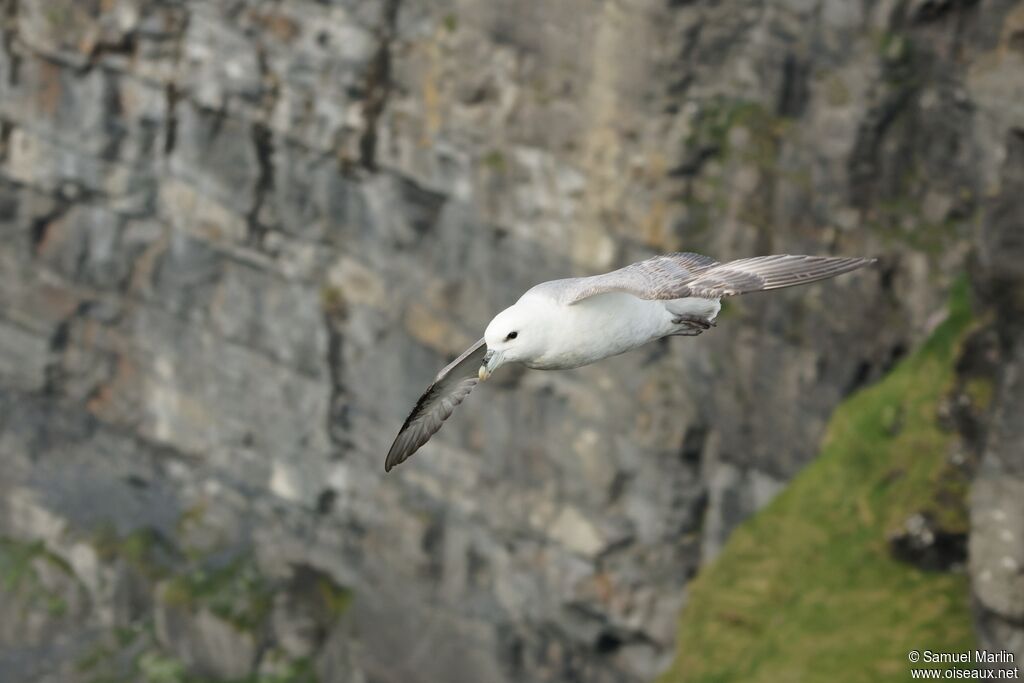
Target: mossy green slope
[{"x": 807, "y": 589}]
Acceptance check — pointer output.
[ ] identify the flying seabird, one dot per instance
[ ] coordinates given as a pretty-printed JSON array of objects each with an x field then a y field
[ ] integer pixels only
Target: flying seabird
[{"x": 564, "y": 324}]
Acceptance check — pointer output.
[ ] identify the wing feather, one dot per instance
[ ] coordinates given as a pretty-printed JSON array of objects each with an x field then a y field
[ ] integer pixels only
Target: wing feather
[
  {"x": 764, "y": 273},
  {"x": 654, "y": 278},
  {"x": 450, "y": 387},
  {"x": 675, "y": 276}
]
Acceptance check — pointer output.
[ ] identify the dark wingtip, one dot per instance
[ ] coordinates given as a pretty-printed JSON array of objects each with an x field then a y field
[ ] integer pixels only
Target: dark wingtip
[
  {"x": 396, "y": 456},
  {"x": 392, "y": 460}
]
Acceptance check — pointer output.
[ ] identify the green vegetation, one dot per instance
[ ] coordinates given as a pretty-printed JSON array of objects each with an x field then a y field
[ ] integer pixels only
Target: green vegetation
[
  {"x": 894, "y": 48},
  {"x": 60, "y": 16},
  {"x": 145, "y": 550},
  {"x": 836, "y": 92},
  {"x": 235, "y": 592},
  {"x": 495, "y": 161},
  {"x": 192, "y": 517},
  {"x": 295, "y": 671},
  {"x": 333, "y": 304},
  {"x": 981, "y": 391},
  {"x": 755, "y": 144},
  {"x": 807, "y": 589},
  {"x": 192, "y": 580},
  {"x": 336, "y": 599},
  {"x": 721, "y": 115},
  {"x": 902, "y": 221},
  {"x": 19, "y": 575},
  {"x": 155, "y": 668}
]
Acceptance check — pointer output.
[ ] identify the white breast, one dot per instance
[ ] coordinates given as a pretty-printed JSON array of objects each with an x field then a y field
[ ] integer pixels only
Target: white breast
[{"x": 598, "y": 327}]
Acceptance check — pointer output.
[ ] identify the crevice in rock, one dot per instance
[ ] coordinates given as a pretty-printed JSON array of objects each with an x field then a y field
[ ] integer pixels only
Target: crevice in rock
[
  {"x": 171, "y": 97},
  {"x": 613, "y": 637},
  {"x": 422, "y": 205},
  {"x": 54, "y": 373},
  {"x": 114, "y": 132},
  {"x": 218, "y": 116},
  {"x": 895, "y": 354},
  {"x": 326, "y": 500},
  {"x": 1016, "y": 42},
  {"x": 977, "y": 377},
  {"x": 272, "y": 87},
  {"x": 926, "y": 545},
  {"x": 861, "y": 375},
  {"x": 135, "y": 481},
  {"x": 1000, "y": 283},
  {"x": 694, "y": 439},
  {"x": 608, "y": 643},
  {"x": 338, "y": 420},
  {"x": 432, "y": 544},
  {"x": 924, "y": 11},
  {"x": 887, "y": 273},
  {"x": 40, "y": 226},
  {"x": 679, "y": 80},
  {"x": 125, "y": 46},
  {"x": 793, "y": 94},
  {"x": 870, "y": 163},
  {"x": 866, "y": 157},
  {"x": 8, "y": 29},
  {"x": 6, "y": 128},
  {"x": 377, "y": 86},
  {"x": 692, "y": 164},
  {"x": 263, "y": 143},
  {"x": 511, "y": 649}
]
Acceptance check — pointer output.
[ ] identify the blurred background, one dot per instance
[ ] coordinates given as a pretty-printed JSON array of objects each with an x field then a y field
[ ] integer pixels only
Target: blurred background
[{"x": 239, "y": 237}]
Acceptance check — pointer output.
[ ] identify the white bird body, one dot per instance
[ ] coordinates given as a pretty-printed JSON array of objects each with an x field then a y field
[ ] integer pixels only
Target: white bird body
[
  {"x": 603, "y": 325},
  {"x": 563, "y": 324}
]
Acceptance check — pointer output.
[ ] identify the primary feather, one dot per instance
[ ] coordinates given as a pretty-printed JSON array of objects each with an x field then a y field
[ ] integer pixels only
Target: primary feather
[
  {"x": 451, "y": 386},
  {"x": 676, "y": 276}
]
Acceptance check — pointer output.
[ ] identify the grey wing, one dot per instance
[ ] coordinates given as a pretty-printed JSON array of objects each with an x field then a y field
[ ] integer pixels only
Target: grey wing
[
  {"x": 675, "y": 276},
  {"x": 451, "y": 386},
  {"x": 762, "y": 273},
  {"x": 658, "y": 277}
]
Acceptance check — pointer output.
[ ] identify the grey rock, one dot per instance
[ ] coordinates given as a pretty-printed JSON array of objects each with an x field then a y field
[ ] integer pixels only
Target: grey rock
[
  {"x": 217, "y": 153},
  {"x": 997, "y": 518},
  {"x": 997, "y": 548},
  {"x": 208, "y": 645}
]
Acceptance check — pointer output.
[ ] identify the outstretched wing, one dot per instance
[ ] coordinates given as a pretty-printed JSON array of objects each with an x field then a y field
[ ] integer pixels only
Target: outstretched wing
[
  {"x": 762, "y": 273},
  {"x": 451, "y": 386},
  {"x": 675, "y": 276},
  {"x": 656, "y": 278}
]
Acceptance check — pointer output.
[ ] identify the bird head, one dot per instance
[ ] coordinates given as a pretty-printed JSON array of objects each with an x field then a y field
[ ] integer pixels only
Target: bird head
[{"x": 515, "y": 335}]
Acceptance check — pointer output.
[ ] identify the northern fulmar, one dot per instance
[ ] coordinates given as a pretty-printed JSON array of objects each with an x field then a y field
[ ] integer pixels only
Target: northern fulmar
[{"x": 564, "y": 324}]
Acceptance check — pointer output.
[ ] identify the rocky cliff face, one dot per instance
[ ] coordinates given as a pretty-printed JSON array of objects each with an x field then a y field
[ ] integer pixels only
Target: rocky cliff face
[
  {"x": 997, "y": 509},
  {"x": 240, "y": 237}
]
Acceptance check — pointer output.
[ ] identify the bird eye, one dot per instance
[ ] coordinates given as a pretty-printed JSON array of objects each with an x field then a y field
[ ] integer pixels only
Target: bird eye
[{"x": 511, "y": 335}]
